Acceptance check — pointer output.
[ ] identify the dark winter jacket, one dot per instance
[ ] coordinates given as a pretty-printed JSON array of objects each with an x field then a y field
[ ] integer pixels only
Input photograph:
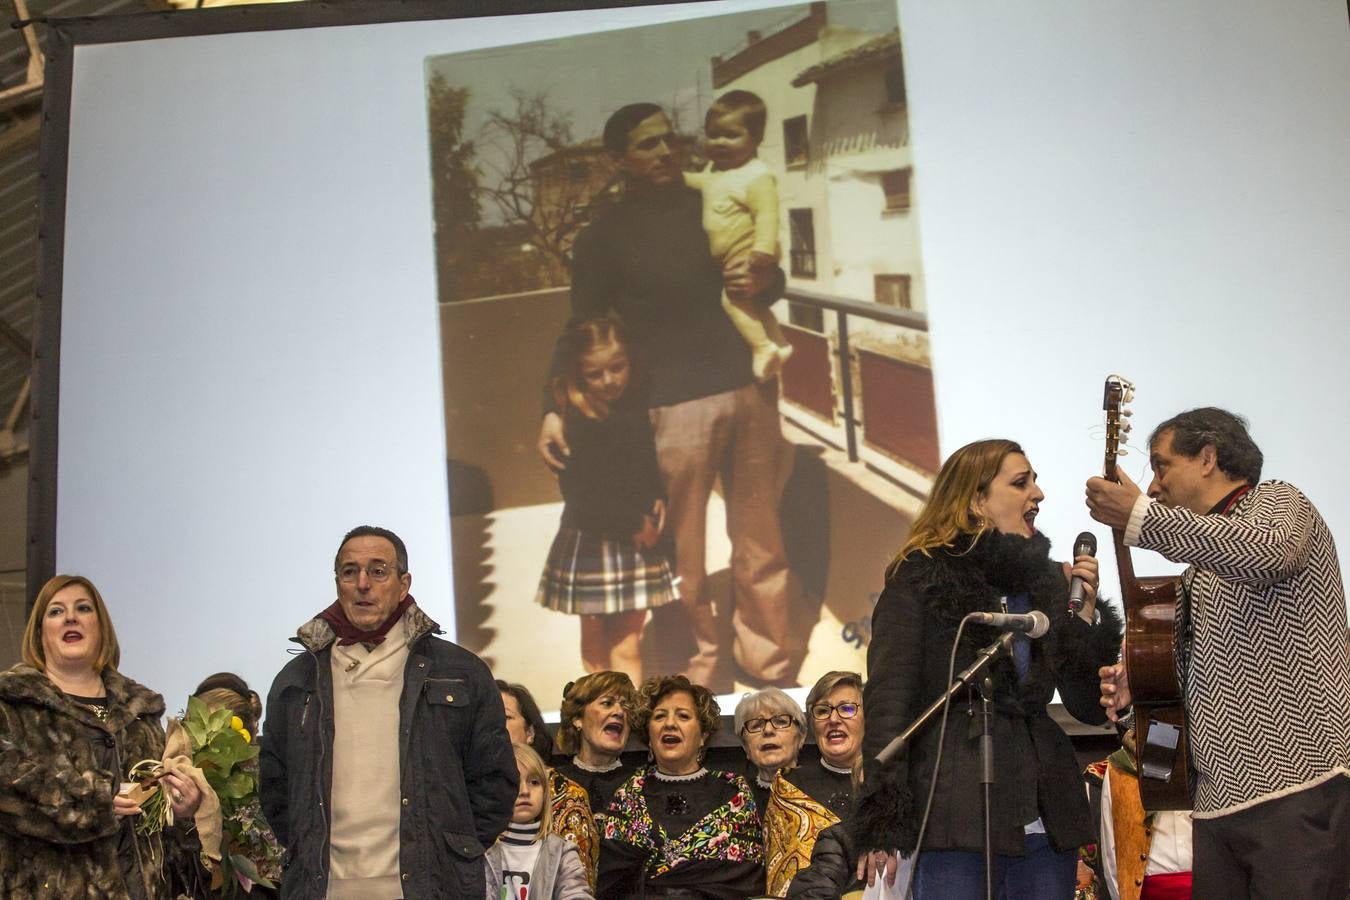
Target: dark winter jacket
[
  {"x": 833, "y": 869},
  {"x": 60, "y": 767},
  {"x": 1036, "y": 773},
  {"x": 457, "y": 769}
]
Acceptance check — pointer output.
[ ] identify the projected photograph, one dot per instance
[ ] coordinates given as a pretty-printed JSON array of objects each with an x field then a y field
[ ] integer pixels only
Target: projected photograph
[{"x": 689, "y": 399}]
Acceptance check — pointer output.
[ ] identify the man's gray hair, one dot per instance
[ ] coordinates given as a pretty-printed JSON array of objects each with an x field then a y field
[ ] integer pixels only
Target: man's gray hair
[
  {"x": 1235, "y": 452},
  {"x": 400, "y": 551}
]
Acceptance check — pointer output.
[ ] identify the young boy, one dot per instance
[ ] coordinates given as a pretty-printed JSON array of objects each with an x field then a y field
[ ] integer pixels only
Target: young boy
[{"x": 740, "y": 215}]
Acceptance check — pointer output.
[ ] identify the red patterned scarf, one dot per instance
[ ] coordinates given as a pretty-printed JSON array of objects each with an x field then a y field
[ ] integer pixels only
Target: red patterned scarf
[{"x": 348, "y": 634}]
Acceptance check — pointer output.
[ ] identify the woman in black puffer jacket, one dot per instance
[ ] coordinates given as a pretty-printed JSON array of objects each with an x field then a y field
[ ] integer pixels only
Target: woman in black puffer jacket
[{"x": 975, "y": 548}]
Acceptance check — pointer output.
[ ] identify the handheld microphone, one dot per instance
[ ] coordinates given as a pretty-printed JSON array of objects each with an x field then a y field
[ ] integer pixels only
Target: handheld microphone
[
  {"x": 1033, "y": 624},
  {"x": 1085, "y": 544}
]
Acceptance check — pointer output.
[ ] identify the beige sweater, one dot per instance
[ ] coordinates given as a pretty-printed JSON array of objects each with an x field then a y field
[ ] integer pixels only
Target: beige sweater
[{"x": 366, "y": 802}]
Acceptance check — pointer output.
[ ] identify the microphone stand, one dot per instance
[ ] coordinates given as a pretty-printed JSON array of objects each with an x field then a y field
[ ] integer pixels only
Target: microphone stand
[
  {"x": 987, "y": 773},
  {"x": 964, "y": 679}
]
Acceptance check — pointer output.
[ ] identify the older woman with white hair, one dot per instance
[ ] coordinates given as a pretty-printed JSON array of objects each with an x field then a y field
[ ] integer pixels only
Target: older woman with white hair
[{"x": 772, "y": 729}]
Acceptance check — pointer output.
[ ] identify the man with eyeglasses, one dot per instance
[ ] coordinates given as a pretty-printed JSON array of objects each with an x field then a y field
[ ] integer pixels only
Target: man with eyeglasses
[{"x": 386, "y": 767}]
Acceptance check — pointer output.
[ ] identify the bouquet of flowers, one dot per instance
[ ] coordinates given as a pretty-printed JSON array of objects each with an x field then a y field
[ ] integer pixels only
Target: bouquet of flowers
[{"x": 223, "y": 749}]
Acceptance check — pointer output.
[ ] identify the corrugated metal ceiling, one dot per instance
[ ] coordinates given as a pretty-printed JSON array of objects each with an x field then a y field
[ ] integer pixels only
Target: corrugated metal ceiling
[{"x": 19, "y": 133}]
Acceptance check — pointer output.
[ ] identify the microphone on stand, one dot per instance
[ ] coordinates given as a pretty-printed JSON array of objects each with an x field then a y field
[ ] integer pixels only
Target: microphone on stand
[
  {"x": 1085, "y": 544},
  {"x": 1033, "y": 624}
]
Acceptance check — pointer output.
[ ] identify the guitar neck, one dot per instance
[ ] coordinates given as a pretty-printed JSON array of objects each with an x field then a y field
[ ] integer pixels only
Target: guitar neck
[{"x": 1129, "y": 585}]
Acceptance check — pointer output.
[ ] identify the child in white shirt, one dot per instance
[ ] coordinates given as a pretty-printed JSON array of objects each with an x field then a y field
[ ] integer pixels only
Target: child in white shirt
[{"x": 740, "y": 215}]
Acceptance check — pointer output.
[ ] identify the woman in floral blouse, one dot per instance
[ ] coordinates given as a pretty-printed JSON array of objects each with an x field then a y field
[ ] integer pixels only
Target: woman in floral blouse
[{"x": 675, "y": 828}]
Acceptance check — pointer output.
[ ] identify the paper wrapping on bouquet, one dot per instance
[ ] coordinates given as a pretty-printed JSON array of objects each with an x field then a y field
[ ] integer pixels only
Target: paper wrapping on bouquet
[{"x": 178, "y": 759}]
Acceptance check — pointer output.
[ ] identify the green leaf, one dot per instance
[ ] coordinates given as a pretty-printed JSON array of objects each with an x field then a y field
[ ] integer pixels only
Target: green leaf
[
  {"x": 197, "y": 710},
  {"x": 237, "y": 786},
  {"x": 196, "y": 732},
  {"x": 220, "y": 718}
]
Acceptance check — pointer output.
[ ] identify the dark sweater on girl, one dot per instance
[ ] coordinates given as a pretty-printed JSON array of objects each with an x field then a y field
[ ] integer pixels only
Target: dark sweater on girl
[{"x": 611, "y": 477}]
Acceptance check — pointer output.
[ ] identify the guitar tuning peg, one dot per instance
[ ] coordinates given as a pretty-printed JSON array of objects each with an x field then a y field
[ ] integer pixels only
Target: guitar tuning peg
[
  {"x": 1127, "y": 413},
  {"x": 1125, "y": 427},
  {"x": 1122, "y": 452},
  {"x": 1129, "y": 394}
]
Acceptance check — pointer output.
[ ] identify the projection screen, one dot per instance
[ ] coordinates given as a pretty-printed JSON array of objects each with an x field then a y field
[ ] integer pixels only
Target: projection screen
[{"x": 240, "y": 344}]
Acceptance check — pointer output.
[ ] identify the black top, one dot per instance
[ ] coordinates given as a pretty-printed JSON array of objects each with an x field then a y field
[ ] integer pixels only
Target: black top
[
  {"x": 600, "y": 786},
  {"x": 832, "y": 790},
  {"x": 677, "y": 805},
  {"x": 611, "y": 477},
  {"x": 96, "y": 705},
  {"x": 647, "y": 259}
]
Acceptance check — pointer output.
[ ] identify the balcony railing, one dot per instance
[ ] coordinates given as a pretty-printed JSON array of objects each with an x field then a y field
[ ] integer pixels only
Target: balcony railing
[{"x": 894, "y": 408}]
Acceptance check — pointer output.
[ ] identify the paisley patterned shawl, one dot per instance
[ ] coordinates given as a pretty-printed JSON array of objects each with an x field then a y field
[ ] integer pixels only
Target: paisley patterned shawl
[
  {"x": 727, "y": 832},
  {"x": 791, "y": 824},
  {"x": 572, "y": 820}
]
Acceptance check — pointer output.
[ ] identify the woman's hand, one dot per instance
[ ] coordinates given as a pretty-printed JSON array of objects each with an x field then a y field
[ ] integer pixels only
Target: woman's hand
[
  {"x": 125, "y": 806},
  {"x": 182, "y": 794},
  {"x": 874, "y": 862},
  {"x": 1085, "y": 567}
]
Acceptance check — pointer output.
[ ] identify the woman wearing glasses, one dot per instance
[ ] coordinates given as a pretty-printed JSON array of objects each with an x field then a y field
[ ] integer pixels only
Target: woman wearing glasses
[
  {"x": 772, "y": 729},
  {"x": 812, "y": 797},
  {"x": 975, "y": 548}
]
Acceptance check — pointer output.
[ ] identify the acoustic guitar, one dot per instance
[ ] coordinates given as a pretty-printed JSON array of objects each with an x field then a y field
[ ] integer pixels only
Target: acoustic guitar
[{"x": 1149, "y": 653}]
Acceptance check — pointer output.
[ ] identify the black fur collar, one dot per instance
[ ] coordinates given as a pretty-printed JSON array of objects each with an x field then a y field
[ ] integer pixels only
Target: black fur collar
[{"x": 973, "y": 574}]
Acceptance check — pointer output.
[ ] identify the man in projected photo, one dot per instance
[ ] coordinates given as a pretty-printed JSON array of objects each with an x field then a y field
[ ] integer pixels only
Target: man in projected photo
[
  {"x": 1261, "y": 658},
  {"x": 386, "y": 767},
  {"x": 646, "y": 259}
]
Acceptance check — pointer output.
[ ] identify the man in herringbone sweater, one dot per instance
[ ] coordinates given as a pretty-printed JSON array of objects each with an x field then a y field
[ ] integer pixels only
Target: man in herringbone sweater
[{"x": 1261, "y": 658}]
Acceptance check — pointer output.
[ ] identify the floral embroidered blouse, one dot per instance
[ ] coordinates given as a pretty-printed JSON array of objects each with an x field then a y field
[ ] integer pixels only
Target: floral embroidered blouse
[{"x": 703, "y": 833}]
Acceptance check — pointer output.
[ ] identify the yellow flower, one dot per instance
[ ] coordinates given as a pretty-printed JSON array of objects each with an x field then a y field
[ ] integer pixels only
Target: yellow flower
[{"x": 238, "y": 725}]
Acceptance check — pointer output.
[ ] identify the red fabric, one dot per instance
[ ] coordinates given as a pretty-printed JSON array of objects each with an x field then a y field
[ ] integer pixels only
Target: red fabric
[
  {"x": 1168, "y": 886},
  {"x": 348, "y": 634}
]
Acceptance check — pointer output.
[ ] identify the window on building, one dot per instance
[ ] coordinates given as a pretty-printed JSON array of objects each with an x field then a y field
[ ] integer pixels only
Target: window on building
[
  {"x": 796, "y": 141},
  {"x": 895, "y": 84},
  {"x": 812, "y": 318},
  {"x": 892, "y": 290},
  {"x": 895, "y": 185},
  {"x": 801, "y": 224}
]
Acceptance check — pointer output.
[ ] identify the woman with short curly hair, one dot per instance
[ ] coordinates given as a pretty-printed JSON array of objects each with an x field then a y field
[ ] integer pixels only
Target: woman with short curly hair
[
  {"x": 593, "y": 725},
  {"x": 675, "y": 826}
]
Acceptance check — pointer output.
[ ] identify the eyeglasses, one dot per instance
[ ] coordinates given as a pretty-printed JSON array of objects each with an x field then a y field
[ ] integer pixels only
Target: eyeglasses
[
  {"x": 349, "y": 573},
  {"x": 780, "y": 722},
  {"x": 847, "y": 710}
]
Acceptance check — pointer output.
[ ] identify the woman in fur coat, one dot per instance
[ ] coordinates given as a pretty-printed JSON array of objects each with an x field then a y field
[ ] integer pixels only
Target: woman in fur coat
[
  {"x": 71, "y": 726},
  {"x": 975, "y": 548}
]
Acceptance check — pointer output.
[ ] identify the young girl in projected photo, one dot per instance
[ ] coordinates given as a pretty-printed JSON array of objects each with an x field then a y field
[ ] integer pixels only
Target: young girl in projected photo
[{"x": 604, "y": 564}]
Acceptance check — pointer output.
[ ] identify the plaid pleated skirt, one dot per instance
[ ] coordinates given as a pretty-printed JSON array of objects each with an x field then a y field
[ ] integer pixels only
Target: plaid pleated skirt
[{"x": 589, "y": 575}]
